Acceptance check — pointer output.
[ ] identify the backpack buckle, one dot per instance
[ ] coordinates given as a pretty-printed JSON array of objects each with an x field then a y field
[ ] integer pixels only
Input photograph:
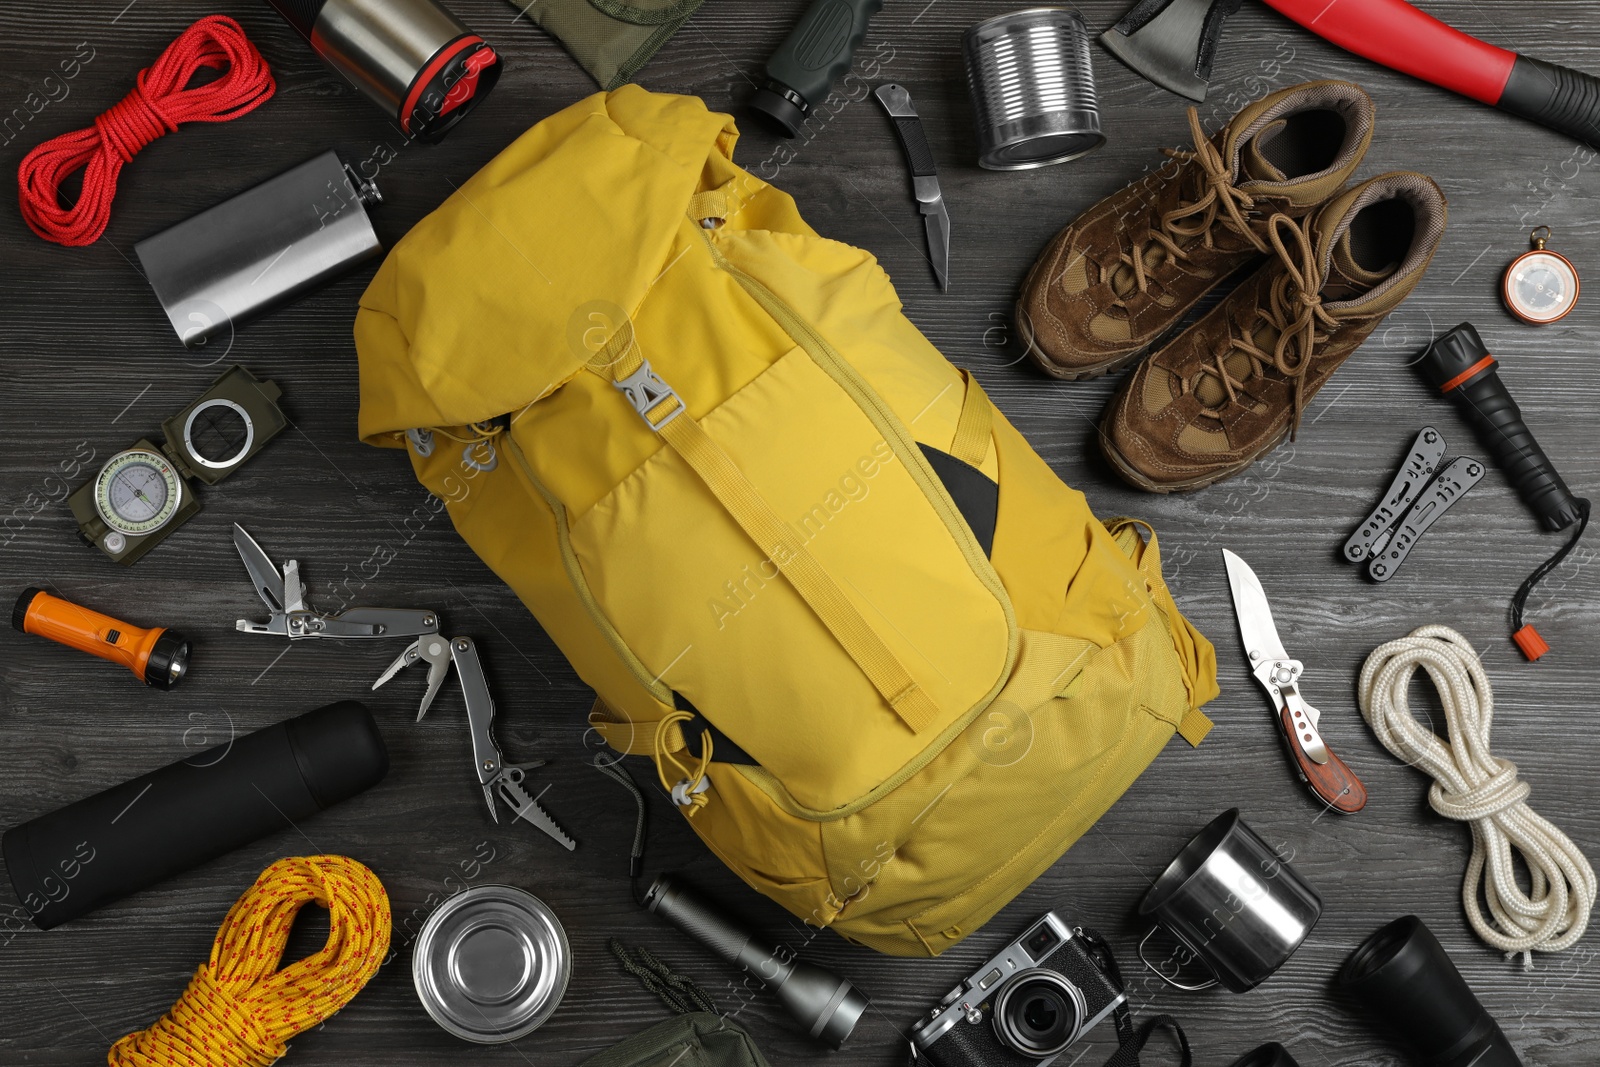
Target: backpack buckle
[{"x": 649, "y": 394}]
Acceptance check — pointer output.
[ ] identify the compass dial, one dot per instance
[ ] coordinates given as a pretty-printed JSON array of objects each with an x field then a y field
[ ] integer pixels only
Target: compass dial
[
  {"x": 137, "y": 492},
  {"x": 1541, "y": 287}
]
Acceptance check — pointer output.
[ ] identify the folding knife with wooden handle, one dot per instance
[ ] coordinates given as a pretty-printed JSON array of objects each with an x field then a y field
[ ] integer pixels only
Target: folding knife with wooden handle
[{"x": 1328, "y": 777}]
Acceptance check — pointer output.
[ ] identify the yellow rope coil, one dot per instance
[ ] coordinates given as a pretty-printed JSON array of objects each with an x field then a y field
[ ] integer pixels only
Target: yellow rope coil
[{"x": 240, "y": 1010}]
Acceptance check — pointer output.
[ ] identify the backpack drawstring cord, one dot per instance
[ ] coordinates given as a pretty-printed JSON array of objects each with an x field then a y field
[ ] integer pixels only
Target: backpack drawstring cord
[{"x": 689, "y": 790}]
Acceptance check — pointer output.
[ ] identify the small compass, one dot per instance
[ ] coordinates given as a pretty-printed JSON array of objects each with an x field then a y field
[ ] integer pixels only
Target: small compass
[
  {"x": 1540, "y": 286},
  {"x": 146, "y": 491},
  {"x": 138, "y": 492}
]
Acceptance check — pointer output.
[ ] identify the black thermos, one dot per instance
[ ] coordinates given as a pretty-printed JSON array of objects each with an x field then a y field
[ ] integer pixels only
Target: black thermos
[{"x": 69, "y": 862}]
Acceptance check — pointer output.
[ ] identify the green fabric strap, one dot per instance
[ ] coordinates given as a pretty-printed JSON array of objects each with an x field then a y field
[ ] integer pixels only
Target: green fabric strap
[
  {"x": 719, "y": 1041},
  {"x": 611, "y": 39}
]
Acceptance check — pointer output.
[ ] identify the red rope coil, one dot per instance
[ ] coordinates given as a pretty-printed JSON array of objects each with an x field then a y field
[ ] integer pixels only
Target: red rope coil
[{"x": 158, "y": 104}]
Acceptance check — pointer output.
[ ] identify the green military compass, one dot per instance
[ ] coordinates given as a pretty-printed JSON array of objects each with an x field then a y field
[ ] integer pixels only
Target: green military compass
[
  {"x": 143, "y": 493},
  {"x": 137, "y": 492}
]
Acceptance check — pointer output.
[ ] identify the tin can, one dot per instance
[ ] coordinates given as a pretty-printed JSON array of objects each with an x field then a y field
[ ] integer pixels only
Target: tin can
[
  {"x": 491, "y": 964},
  {"x": 1032, "y": 87}
]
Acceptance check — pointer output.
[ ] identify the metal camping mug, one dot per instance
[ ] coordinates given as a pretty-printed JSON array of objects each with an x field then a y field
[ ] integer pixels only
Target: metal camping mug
[
  {"x": 1032, "y": 86},
  {"x": 1234, "y": 903}
]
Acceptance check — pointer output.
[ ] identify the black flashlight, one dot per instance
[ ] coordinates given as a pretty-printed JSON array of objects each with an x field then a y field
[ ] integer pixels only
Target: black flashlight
[
  {"x": 1403, "y": 977},
  {"x": 1460, "y": 367}
]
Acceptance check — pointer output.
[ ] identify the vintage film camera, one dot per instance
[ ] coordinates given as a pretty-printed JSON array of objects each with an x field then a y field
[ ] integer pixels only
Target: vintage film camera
[{"x": 1025, "y": 1006}]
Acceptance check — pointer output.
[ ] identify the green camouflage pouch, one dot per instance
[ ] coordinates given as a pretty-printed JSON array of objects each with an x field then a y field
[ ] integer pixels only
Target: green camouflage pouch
[
  {"x": 700, "y": 1039},
  {"x": 611, "y": 39}
]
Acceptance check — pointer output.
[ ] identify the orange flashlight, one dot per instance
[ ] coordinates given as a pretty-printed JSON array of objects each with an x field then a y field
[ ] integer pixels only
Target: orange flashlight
[{"x": 158, "y": 657}]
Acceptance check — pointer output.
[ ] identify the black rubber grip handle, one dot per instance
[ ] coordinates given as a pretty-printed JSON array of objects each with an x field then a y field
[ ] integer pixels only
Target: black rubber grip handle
[
  {"x": 73, "y": 860},
  {"x": 1461, "y": 367},
  {"x": 918, "y": 155},
  {"x": 1555, "y": 96},
  {"x": 821, "y": 46}
]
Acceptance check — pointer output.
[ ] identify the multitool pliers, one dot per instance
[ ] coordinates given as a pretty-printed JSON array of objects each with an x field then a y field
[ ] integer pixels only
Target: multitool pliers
[
  {"x": 293, "y": 618},
  {"x": 494, "y": 773}
]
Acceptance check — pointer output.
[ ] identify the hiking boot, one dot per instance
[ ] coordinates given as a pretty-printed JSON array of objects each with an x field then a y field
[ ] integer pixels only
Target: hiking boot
[
  {"x": 1231, "y": 387},
  {"x": 1127, "y": 270}
]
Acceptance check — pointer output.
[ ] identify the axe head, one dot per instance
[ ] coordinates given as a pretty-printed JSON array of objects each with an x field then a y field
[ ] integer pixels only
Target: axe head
[{"x": 1171, "y": 42}]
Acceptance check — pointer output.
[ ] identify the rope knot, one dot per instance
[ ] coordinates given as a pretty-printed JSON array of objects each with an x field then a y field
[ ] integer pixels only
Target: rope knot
[
  {"x": 1218, "y": 177},
  {"x": 1483, "y": 801},
  {"x": 131, "y": 124},
  {"x": 209, "y": 1018}
]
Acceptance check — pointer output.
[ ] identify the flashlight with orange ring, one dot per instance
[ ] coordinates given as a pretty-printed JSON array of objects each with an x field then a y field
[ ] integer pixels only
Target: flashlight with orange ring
[
  {"x": 1459, "y": 365},
  {"x": 158, "y": 657}
]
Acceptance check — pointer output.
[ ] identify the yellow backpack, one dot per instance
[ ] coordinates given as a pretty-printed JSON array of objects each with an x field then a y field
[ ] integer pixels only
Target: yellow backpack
[{"x": 884, "y": 660}]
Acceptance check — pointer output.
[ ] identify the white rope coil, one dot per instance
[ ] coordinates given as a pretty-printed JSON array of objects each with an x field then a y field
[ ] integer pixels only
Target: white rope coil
[{"x": 1474, "y": 787}]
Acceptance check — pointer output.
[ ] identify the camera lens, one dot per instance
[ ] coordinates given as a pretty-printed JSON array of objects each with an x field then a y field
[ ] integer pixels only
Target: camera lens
[{"x": 1039, "y": 1013}]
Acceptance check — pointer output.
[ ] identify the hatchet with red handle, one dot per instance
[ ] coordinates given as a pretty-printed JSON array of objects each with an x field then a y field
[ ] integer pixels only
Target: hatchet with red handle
[{"x": 1394, "y": 33}]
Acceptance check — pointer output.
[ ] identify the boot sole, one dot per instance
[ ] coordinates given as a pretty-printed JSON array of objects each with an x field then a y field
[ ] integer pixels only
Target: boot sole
[
  {"x": 1069, "y": 374},
  {"x": 1127, "y": 473}
]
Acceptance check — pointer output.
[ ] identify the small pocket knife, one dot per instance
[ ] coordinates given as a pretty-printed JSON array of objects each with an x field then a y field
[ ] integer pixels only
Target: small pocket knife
[
  {"x": 924, "y": 176},
  {"x": 1324, "y": 773}
]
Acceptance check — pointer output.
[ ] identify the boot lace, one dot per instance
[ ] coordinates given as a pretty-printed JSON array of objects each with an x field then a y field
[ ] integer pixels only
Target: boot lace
[
  {"x": 1294, "y": 310},
  {"x": 1219, "y": 201}
]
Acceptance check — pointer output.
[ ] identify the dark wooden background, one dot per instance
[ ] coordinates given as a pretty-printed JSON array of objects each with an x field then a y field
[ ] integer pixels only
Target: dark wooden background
[{"x": 89, "y": 362}]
